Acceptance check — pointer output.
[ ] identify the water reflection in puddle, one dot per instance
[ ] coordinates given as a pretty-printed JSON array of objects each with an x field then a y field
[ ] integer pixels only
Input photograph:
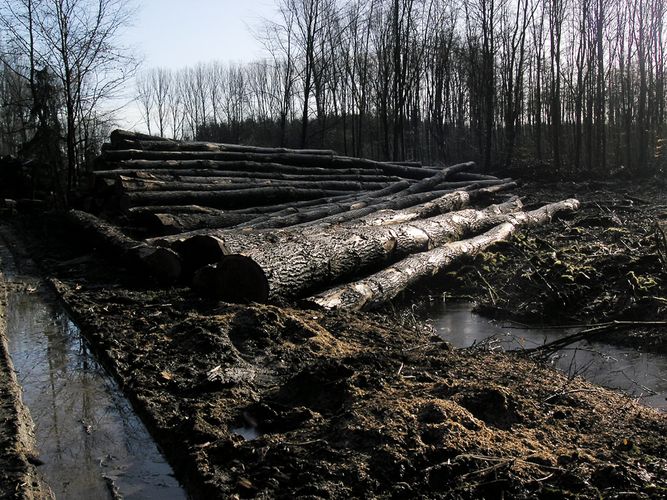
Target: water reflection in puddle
[
  {"x": 91, "y": 442},
  {"x": 247, "y": 433},
  {"x": 639, "y": 374}
]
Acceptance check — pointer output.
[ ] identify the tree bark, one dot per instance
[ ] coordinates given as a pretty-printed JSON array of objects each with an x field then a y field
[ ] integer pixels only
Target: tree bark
[
  {"x": 224, "y": 199},
  {"x": 163, "y": 264},
  {"x": 304, "y": 160},
  {"x": 384, "y": 285},
  {"x": 295, "y": 262}
]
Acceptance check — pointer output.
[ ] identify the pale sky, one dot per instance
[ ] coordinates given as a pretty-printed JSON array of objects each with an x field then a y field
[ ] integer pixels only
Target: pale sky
[{"x": 178, "y": 33}]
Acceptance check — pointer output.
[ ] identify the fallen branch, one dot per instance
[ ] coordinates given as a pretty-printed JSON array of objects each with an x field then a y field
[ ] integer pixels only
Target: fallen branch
[{"x": 589, "y": 333}]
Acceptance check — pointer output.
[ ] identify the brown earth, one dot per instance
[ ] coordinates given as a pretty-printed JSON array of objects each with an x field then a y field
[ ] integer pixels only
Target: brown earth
[{"x": 354, "y": 406}]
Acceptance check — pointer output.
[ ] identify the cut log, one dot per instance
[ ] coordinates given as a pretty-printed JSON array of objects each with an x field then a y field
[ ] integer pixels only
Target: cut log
[
  {"x": 441, "y": 205},
  {"x": 398, "y": 202},
  {"x": 661, "y": 240},
  {"x": 384, "y": 285},
  {"x": 126, "y": 184},
  {"x": 209, "y": 168},
  {"x": 173, "y": 209},
  {"x": 418, "y": 192},
  {"x": 310, "y": 214},
  {"x": 119, "y": 135},
  {"x": 295, "y": 262},
  {"x": 199, "y": 158},
  {"x": 471, "y": 176},
  {"x": 163, "y": 264},
  {"x": 466, "y": 184},
  {"x": 144, "y": 145},
  {"x": 437, "y": 178},
  {"x": 163, "y": 224},
  {"x": 121, "y": 138},
  {"x": 224, "y": 199},
  {"x": 198, "y": 251},
  {"x": 196, "y": 209},
  {"x": 237, "y": 176},
  {"x": 235, "y": 278}
]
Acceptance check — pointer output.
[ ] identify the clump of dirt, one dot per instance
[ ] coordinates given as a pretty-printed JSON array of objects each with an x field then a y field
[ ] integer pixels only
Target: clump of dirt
[{"x": 603, "y": 263}]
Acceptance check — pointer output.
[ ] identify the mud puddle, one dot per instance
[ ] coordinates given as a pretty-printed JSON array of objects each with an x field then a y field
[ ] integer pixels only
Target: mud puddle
[
  {"x": 641, "y": 375},
  {"x": 91, "y": 443}
]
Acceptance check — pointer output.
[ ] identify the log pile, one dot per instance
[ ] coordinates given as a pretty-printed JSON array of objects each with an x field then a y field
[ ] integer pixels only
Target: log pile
[{"x": 269, "y": 224}]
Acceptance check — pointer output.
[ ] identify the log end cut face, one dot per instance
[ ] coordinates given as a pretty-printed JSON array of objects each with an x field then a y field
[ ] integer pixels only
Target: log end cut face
[
  {"x": 235, "y": 278},
  {"x": 200, "y": 250},
  {"x": 162, "y": 263}
]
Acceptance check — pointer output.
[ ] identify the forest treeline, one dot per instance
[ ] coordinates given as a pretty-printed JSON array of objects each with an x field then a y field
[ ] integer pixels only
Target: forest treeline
[
  {"x": 574, "y": 86},
  {"x": 61, "y": 64},
  {"x": 558, "y": 86}
]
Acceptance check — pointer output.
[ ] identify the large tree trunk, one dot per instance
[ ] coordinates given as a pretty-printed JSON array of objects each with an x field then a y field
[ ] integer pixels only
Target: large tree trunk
[
  {"x": 295, "y": 262},
  {"x": 238, "y": 198},
  {"x": 127, "y": 184},
  {"x": 163, "y": 264},
  {"x": 204, "y": 159},
  {"x": 150, "y": 169},
  {"x": 384, "y": 285}
]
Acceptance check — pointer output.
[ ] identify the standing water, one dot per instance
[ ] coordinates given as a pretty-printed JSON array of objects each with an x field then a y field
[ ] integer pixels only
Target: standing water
[
  {"x": 91, "y": 443},
  {"x": 639, "y": 374}
]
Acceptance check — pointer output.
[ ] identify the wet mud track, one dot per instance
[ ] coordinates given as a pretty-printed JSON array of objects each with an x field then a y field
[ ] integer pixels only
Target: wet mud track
[
  {"x": 18, "y": 476},
  {"x": 354, "y": 407},
  {"x": 81, "y": 433}
]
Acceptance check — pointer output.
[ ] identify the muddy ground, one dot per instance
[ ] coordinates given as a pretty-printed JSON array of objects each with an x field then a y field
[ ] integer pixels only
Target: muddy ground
[
  {"x": 604, "y": 263},
  {"x": 18, "y": 475},
  {"x": 369, "y": 405}
]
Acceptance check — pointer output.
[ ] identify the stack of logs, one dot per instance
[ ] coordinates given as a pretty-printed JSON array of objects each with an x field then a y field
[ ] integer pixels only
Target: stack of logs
[{"x": 241, "y": 223}]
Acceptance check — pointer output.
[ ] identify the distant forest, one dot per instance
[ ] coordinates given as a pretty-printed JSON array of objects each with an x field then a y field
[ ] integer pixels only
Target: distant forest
[
  {"x": 573, "y": 86},
  {"x": 561, "y": 87}
]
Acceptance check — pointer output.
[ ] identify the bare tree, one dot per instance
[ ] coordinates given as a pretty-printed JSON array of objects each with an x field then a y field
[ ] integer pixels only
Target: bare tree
[
  {"x": 78, "y": 41},
  {"x": 160, "y": 81},
  {"x": 145, "y": 98}
]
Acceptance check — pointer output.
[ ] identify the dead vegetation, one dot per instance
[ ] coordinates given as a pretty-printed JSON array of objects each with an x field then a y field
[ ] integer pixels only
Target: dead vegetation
[{"x": 603, "y": 264}]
